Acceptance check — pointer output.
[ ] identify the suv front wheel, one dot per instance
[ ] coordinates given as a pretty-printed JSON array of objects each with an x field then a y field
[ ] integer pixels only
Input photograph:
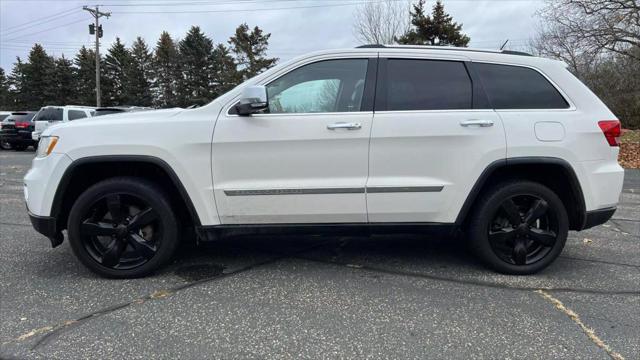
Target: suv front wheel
[
  {"x": 123, "y": 228},
  {"x": 518, "y": 227}
]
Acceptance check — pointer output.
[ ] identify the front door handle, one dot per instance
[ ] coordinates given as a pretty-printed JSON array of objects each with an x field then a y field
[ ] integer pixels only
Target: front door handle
[
  {"x": 344, "y": 125},
  {"x": 476, "y": 122}
]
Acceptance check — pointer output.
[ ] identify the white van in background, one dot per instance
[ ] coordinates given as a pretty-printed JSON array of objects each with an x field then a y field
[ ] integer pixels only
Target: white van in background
[{"x": 49, "y": 115}]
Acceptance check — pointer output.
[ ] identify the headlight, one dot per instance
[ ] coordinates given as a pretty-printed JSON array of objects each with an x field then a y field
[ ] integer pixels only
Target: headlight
[{"x": 46, "y": 145}]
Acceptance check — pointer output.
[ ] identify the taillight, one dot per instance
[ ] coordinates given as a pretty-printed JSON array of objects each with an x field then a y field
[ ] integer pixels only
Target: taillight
[
  {"x": 22, "y": 125},
  {"x": 611, "y": 130}
]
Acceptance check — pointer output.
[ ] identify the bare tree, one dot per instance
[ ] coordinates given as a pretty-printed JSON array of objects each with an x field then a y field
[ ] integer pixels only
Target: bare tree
[
  {"x": 594, "y": 26},
  {"x": 381, "y": 22}
]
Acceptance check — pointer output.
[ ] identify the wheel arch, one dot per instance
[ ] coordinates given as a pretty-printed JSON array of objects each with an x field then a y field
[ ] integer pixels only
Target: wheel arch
[
  {"x": 87, "y": 171},
  {"x": 555, "y": 173}
]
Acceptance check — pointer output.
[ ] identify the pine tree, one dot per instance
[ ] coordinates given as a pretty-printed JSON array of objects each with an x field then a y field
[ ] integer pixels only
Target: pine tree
[
  {"x": 5, "y": 102},
  {"x": 437, "y": 29},
  {"x": 17, "y": 86},
  {"x": 38, "y": 88},
  {"x": 139, "y": 74},
  {"x": 225, "y": 74},
  {"x": 196, "y": 55},
  {"x": 250, "y": 50},
  {"x": 85, "y": 62},
  {"x": 116, "y": 70},
  {"x": 65, "y": 82},
  {"x": 165, "y": 72}
]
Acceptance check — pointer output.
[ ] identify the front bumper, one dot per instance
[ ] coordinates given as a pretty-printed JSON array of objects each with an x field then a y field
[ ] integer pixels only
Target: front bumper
[
  {"x": 47, "y": 226},
  {"x": 598, "y": 217}
]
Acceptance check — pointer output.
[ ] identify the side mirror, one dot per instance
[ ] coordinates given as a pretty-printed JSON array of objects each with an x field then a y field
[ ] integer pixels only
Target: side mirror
[{"x": 252, "y": 100}]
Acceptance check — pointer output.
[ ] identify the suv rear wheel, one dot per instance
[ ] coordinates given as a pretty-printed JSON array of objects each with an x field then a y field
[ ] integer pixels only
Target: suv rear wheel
[
  {"x": 518, "y": 227},
  {"x": 123, "y": 227}
]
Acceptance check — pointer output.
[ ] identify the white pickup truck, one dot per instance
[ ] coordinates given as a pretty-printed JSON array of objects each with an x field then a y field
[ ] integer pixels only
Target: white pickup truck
[{"x": 49, "y": 115}]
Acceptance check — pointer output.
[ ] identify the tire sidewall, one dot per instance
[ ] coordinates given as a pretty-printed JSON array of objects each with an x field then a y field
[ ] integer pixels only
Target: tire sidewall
[
  {"x": 489, "y": 205},
  {"x": 127, "y": 186}
]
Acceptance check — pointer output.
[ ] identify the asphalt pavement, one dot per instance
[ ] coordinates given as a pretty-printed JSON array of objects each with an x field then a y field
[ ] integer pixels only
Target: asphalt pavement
[{"x": 263, "y": 297}]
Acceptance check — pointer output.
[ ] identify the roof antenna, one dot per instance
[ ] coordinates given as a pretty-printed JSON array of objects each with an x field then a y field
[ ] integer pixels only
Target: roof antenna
[{"x": 503, "y": 45}]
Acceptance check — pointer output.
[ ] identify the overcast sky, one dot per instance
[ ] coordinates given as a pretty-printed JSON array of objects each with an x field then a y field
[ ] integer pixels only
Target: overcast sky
[{"x": 296, "y": 26}]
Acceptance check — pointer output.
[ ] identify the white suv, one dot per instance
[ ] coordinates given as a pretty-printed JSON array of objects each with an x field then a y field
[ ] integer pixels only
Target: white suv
[
  {"x": 511, "y": 149},
  {"x": 50, "y": 115}
]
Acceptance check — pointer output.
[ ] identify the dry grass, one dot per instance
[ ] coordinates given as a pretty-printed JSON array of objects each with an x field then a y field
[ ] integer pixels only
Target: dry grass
[{"x": 630, "y": 149}]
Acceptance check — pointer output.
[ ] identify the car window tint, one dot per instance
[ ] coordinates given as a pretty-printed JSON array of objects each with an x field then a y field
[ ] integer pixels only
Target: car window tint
[
  {"x": 4, "y": 116},
  {"x": 427, "y": 85},
  {"x": 325, "y": 86},
  {"x": 517, "y": 87},
  {"x": 76, "y": 114},
  {"x": 49, "y": 114}
]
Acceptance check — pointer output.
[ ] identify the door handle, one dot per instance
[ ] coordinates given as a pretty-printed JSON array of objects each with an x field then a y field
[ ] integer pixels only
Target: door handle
[
  {"x": 476, "y": 122},
  {"x": 344, "y": 125}
]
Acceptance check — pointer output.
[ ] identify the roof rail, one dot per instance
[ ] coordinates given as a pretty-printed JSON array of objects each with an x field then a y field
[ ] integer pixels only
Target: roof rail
[{"x": 451, "y": 48}]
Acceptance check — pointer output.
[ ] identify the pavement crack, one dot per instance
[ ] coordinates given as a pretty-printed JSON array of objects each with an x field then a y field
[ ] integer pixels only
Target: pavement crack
[
  {"x": 576, "y": 319},
  {"x": 470, "y": 282},
  {"x": 51, "y": 333},
  {"x": 600, "y": 261}
]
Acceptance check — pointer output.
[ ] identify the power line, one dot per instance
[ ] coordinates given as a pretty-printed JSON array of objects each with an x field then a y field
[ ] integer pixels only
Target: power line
[
  {"x": 40, "y": 23},
  {"x": 49, "y": 29},
  {"x": 38, "y": 19}
]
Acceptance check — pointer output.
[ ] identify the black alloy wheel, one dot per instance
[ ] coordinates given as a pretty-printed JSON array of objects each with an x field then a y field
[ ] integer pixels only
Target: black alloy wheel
[
  {"x": 523, "y": 230},
  {"x": 123, "y": 227},
  {"x": 518, "y": 227},
  {"x": 121, "y": 231}
]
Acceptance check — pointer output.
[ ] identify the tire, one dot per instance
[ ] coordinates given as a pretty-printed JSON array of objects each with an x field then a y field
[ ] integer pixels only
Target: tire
[
  {"x": 5, "y": 145},
  {"x": 123, "y": 227},
  {"x": 536, "y": 239}
]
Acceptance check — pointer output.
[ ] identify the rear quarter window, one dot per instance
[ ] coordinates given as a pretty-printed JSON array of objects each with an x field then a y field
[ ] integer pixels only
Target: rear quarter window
[{"x": 517, "y": 87}]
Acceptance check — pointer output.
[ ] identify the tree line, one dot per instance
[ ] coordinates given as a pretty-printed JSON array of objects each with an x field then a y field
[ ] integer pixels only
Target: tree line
[{"x": 181, "y": 73}]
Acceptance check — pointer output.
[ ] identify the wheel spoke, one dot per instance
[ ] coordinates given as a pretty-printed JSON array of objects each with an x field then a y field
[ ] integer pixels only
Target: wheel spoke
[
  {"x": 519, "y": 253},
  {"x": 142, "y": 218},
  {"x": 502, "y": 237},
  {"x": 538, "y": 209},
  {"x": 114, "y": 204},
  {"x": 141, "y": 246},
  {"x": 543, "y": 237},
  {"x": 511, "y": 210},
  {"x": 114, "y": 251},
  {"x": 90, "y": 228}
]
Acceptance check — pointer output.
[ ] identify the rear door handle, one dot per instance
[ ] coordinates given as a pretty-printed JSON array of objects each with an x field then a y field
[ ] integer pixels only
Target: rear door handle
[
  {"x": 344, "y": 125},
  {"x": 477, "y": 122}
]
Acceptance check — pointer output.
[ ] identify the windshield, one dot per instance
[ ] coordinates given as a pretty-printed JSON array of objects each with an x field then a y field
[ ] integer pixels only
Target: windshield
[
  {"x": 49, "y": 114},
  {"x": 3, "y": 116}
]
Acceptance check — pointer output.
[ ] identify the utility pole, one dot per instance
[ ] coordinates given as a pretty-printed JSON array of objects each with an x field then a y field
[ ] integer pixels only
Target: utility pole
[{"x": 96, "y": 29}]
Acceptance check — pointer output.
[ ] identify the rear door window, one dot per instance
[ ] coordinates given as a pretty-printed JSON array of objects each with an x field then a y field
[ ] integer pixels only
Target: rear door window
[
  {"x": 517, "y": 87},
  {"x": 49, "y": 114},
  {"x": 426, "y": 85},
  {"x": 76, "y": 114}
]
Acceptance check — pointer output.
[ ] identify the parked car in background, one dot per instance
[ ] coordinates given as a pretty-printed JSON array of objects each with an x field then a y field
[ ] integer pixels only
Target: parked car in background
[
  {"x": 49, "y": 115},
  {"x": 118, "y": 110},
  {"x": 4, "y": 114},
  {"x": 16, "y": 129}
]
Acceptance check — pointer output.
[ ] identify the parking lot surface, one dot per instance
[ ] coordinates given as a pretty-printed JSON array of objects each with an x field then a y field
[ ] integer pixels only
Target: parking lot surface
[{"x": 298, "y": 296}]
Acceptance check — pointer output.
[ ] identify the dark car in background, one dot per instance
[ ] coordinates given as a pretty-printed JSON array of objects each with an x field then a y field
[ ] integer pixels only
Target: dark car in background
[
  {"x": 118, "y": 110},
  {"x": 16, "y": 129}
]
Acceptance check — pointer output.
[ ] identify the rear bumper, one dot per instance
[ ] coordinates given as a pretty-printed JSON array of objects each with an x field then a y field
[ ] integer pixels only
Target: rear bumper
[
  {"x": 19, "y": 137},
  {"x": 598, "y": 217},
  {"x": 47, "y": 226}
]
